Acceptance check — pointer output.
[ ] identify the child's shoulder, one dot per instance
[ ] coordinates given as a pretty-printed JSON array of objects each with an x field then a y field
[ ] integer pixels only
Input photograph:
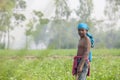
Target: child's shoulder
[{"x": 87, "y": 39}]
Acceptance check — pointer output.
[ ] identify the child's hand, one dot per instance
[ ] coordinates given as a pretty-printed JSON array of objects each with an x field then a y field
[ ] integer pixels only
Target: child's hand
[{"x": 79, "y": 70}]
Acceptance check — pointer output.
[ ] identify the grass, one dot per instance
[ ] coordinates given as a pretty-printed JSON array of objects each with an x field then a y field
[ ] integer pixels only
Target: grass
[{"x": 56, "y": 64}]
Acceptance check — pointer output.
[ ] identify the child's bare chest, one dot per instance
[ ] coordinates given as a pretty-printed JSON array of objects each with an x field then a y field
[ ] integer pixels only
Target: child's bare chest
[{"x": 81, "y": 43}]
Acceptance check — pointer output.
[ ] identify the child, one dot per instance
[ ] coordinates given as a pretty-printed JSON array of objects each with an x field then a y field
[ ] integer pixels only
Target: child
[{"x": 81, "y": 62}]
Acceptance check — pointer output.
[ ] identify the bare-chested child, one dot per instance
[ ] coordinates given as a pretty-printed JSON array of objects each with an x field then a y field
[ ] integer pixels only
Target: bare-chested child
[{"x": 80, "y": 69}]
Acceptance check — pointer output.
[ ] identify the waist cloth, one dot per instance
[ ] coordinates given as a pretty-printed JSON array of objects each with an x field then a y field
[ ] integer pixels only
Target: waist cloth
[{"x": 76, "y": 63}]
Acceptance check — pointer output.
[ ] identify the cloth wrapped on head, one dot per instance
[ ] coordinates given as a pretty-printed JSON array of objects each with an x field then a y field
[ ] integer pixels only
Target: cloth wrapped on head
[{"x": 83, "y": 26}]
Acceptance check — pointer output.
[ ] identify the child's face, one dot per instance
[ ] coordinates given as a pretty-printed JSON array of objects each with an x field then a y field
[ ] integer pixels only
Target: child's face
[{"x": 82, "y": 32}]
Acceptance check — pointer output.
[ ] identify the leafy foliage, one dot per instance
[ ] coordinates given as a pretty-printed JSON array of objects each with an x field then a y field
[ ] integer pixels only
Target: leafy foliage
[
  {"x": 6, "y": 5},
  {"x": 112, "y": 9},
  {"x": 42, "y": 64}
]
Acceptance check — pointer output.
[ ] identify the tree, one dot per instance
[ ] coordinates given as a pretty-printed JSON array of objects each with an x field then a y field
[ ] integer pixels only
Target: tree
[
  {"x": 6, "y": 7},
  {"x": 36, "y": 26},
  {"x": 8, "y": 12},
  {"x": 62, "y": 35},
  {"x": 112, "y": 9},
  {"x": 58, "y": 25},
  {"x": 62, "y": 9},
  {"x": 28, "y": 31},
  {"x": 84, "y": 11}
]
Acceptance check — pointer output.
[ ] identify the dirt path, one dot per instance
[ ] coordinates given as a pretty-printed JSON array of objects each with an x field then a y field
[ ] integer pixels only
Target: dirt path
[{"x": 31, "y": 57}]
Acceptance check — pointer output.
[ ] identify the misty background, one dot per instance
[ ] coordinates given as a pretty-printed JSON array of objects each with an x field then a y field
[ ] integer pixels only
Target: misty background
[{"x": 52, "y": 24}]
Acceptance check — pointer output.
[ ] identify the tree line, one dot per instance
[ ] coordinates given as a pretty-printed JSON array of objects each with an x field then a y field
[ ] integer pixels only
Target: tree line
[{"x": 60, "y": 31}]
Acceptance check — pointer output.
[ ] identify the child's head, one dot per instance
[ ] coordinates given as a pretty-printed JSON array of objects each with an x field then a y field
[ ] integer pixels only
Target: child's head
[{"x": 82, "y": 29}]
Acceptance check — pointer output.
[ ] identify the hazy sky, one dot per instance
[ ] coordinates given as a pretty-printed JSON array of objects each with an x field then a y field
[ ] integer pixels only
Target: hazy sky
[{"x": 47, "y": 6}]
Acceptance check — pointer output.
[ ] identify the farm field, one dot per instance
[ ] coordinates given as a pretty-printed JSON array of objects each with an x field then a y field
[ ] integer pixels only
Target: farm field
[{"x": 56, "y": 64}]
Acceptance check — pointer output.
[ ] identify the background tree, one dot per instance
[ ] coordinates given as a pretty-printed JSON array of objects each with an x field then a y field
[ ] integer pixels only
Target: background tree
[
  {"x": 36, "y": 27},
  {"x": 112, "y": 10},
  {"x": 6, "y": 7},
  {"x": 62, "y": 9},
  {"x": 59, "y": 25},
  {"x": 84, "y": 10}
]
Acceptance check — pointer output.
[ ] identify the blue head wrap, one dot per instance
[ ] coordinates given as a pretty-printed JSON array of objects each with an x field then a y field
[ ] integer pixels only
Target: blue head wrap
[
  {"x": 83, "y": 26},
  {"x": 91, "y": 39},
  {"x": 92, "y": 45}
]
